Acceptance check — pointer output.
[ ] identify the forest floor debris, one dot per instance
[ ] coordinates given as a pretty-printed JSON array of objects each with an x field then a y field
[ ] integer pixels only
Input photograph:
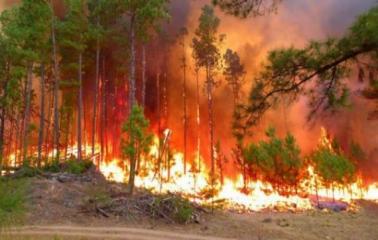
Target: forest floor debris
[{"x": 88, "y": 200}]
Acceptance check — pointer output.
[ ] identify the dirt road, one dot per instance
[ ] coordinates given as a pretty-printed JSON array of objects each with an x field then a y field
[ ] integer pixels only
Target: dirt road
[{"x": 70, "y": 232}]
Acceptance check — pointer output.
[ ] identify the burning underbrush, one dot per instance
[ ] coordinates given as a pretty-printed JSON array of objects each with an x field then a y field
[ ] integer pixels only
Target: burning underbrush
[{"x": 170, "y": 193}]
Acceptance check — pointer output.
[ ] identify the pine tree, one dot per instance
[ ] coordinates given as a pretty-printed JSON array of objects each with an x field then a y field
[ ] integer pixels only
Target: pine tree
[
  {"x": 74, "y": 31},
  {"x": 143, "y": 15},
  {"x": 206, "y": 54},
  {"x": 137, "y": 140}
]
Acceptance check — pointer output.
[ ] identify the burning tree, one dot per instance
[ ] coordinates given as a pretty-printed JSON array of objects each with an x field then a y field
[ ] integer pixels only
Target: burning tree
[
  {"x": 331, "y": 165},
  {"x": 277, "y": 161},
  {"x": 137, "y": 141},
  {"x": 333, "y": 168},
  {"x": 234, "y": 73},
  {"x": 184, "y": 65},
  {"x": 206, "y": 54}
]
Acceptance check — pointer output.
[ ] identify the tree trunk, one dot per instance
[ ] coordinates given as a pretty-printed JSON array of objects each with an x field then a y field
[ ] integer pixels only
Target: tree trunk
[
  {"x": 185, "y": 109},
  {"x": 27, "y": 110},
  {"x": 103, "y": 113},
  {"x": 159, "y": 121},
  {"x": 80, "y": 110},
  {"x": 50, "y": 106},
  {"x": 56, "y": 92},
  {"x": 94, "y": 117},
  {"x": 198, "y": 124},
  {"x": 132, "y": 64},
  {"x": 144, "y": 80},
  {"x": 69, "y": 116},
  {"x": 42, "y": 115},
  {"x": 2, "y": 130},
  {"x": 2, "y": 121},
  {"x": 132, "y": 175},
  {"x": 211, "y": 122}
]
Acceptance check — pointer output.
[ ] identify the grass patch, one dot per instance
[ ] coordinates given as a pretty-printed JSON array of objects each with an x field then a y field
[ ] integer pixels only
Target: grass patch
[{"x": 12, "y": 201}]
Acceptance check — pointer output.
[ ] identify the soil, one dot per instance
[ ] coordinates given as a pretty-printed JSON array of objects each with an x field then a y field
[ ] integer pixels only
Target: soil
[{"x": 58, "y": 208}]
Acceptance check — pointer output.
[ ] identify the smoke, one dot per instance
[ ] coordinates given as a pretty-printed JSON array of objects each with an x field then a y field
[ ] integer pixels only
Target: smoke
[{"x": 295, "y": 23}]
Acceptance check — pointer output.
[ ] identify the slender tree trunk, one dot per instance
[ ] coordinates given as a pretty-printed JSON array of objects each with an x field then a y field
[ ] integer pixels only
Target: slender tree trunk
[
  {"x": 27, "y": 110},
  {"x": 67, "y": 135},
  {"x": 2, "y": 130},
  {"x": 42, "y": 115},
  {"x": 185, "y": 109},
  {"x": 144, "y": 80},
  {"x": 94, "y": 117},
  {"x": 159, "y": 121},
  {"x": 132, "y": 174},
  {"x": 211, "y": 123},
  {"x": 80, "y": 110},
  {"x": 132, "y": 64},
  {"x": 2, "y": 121},
  {"x": 56, "y": 92},
  {"x": 50, "y": 106},
  {"x": 103, "y": 113},
  {"x": 198, "y": 123}
]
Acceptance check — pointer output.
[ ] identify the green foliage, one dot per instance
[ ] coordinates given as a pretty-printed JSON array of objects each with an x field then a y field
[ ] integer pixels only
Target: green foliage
[
  {"x": 333, "y": 167},
  {"x": 77, "y": 167},
  {"x": 277, "y": 161},
  {"x": 53, "y": 167},
  {"x": 325, "y": 64},
  {"x": 138, "y": 138},
  {"x": 234, "y": 72},
  {"x": 147, "y": 15},
  {"x": 27, "y": 170},
  {"x": 205, "y": 50},
  {"x": 12, "y": 201},
  {"x": 178, "y": 208}
]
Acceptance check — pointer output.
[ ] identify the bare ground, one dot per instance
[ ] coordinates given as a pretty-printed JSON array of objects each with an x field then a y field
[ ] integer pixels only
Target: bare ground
[{"x": 56, "y": 209}]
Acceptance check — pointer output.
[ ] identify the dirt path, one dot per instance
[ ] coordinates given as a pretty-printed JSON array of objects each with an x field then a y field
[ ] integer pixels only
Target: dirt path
[{"x": 70, "y": 232}]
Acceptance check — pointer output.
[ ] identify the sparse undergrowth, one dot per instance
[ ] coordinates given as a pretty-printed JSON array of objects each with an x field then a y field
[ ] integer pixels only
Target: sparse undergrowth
[
  {"x": 12, "y": 200},
  {"x": 71, "y": 166}
]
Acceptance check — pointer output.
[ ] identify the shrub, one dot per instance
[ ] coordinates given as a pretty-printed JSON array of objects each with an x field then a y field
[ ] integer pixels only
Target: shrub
[
  {"x": 78, "y": 167},
  {"x": 53, "y": 167},
  {"x": 184, "y": 210}
]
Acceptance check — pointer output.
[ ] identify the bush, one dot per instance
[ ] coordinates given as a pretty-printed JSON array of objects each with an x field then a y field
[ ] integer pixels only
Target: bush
[
  {"x": 184, "y": 210},
  {"x": 77, "y": 167},
  {"x": 26, "y": 170},
  {"x": 176, "y": 207},
  {"x": 12, "y": 200},
  {"x": 53, "y": 167}
]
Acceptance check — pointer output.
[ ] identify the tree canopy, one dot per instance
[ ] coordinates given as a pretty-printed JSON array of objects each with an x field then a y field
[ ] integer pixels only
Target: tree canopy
[{"x": 319, "y": 71}]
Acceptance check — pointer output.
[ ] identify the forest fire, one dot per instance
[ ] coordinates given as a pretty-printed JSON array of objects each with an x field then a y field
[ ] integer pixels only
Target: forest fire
[
  {"x": 112, "y": 103},
  {"x": 231, "y": 194}
]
